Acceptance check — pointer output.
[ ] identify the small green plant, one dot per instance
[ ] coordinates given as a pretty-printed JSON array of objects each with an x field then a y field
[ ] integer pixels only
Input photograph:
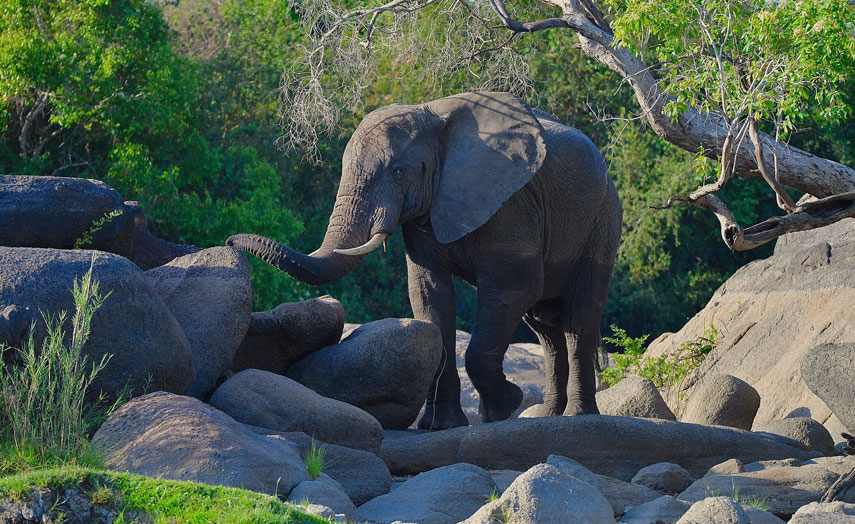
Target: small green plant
[
  {"x": 42, "y": 407},
  {"x": 503, "y": 513},
  {"x": 493, "y": 496},
  {"x": 86, "y": 237},
  {"x": 314, "y": 459},
  {"x": 666, "y": 371}
]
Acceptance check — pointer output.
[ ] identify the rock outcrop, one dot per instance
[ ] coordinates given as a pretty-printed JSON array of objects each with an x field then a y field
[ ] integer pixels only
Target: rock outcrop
[
  {"x": 264, "y": 399},
  {"x": 170, "y": 436},
  {"x": 384, "y": 367},
  {"x": 134, "y": 325},
  {"x": 773, "y": 312},
  {"x": 210, "y": 295},
  {"x": 279, "y": 337}
]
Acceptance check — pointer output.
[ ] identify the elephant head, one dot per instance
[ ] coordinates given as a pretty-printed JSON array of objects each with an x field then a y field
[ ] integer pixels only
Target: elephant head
[{"x": 453, "y": 161}]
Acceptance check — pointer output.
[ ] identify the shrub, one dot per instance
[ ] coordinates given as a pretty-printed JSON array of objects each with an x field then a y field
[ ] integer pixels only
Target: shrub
[
  {"x": 44, "y": 416},
  {"x": 666, "y": 371}
]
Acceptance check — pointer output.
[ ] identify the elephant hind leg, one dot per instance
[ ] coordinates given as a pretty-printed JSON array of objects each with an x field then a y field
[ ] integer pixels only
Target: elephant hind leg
[
  {"x": 586, "y": 297},
  {"x": 554, "y": 344}
]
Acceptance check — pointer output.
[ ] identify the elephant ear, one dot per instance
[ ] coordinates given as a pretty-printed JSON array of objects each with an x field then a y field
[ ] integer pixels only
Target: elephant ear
[{"x": 492, "y": 146}]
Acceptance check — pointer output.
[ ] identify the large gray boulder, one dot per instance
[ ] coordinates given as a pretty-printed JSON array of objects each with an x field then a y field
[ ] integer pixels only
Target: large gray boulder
[
  {"x": 267, "y": 400},
  {"x": 825, "y": 513},
  {"x": 546, "y": 495},
  {"x": 384, "y": 367},
  {"x": 619, "y": 494},
  {"x": 56, "y": 212},
  {"x": 133, "y": 325},
  {"x": 170, "y": 436},
  {"x": 445, "y": 495},
  {"x": 804, "y": 429},
  {"x": 327, "y": 492},
  {"x": 772, "y": 313},
  {"x": 715, "y": 510},
  {"x": 210, "y": 295},
  {"x": 664, "y": 476},
  {"x": 633, "y": 397},
  {"x": 827, "y": 369},
  {"x": 362, "y": 474},
  {"x": 722, "y": 400},
  {"x": 613, "y": 446},
  {"x": 783, "y": 489},
  {"x": 279, "y": 337}
]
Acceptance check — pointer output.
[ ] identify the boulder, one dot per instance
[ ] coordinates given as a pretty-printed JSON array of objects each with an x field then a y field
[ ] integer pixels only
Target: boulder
[
  {"x": 827, "y": 370},
  {"x": 445, "y": 495},
  {"x": 619, "y": 494},
  {"x": 362, "y": 474},
  {"x": 170, "y": 436},
  {"x": 664, "y": 476},
  {"x": 633, "y": 397},
  {"x": 825, "y": 513},
  {"x": 782, "y": 489},
  {"x": 715, "y": 510},
  {"x": 264, "y": 399},
  {"x": 772, "y": 313},
  {"x": 728, "y": 467},
  {"x": 839, "y": 464},
  {"x": 279, "y": 337},
  {"x": 804, "y": 429},
  {"x": 133, "y": 325},
  {"x": 613, "y": 446},
  {"x": 722, "y": 400},
  {"x": 384, "y": 367},
  {"x": 57, "y": 212},
  {"x": 663, "y": 510},
  {"x": 546, "y": 495},
  {"x": 15, "y": 325},
  {"x": 324, "y": 491},
  {"x": 210, "y": 295}
]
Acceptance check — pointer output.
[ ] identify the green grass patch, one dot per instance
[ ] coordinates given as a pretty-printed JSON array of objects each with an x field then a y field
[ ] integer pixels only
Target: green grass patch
[
  {"x": 314, "y": 457},
  {"x": 166, "y": 501}
]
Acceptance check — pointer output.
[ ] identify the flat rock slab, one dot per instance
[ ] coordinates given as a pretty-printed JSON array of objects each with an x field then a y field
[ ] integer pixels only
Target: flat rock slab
[
  {"x": 783, "y": 489},
  {"x": 613, "y": 446},
  {"x": 828, "y": 372}
]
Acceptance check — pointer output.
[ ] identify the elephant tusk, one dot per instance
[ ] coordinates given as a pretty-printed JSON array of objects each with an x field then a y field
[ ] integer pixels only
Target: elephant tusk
[{"x": 368, "y": 247}]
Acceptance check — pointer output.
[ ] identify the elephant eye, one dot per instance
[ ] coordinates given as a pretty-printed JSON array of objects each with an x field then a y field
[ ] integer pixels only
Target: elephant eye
[{"x": 398, "y": 172}]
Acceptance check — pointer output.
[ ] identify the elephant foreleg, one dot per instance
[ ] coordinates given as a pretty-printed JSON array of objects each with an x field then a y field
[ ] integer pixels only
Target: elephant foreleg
[
  {"x": 495, "y": 323},
  {"x": 432, "y": 299}
]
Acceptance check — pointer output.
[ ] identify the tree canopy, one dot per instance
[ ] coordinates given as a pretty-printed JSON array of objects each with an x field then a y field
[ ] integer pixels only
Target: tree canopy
[{"x": 179, "y": 105}]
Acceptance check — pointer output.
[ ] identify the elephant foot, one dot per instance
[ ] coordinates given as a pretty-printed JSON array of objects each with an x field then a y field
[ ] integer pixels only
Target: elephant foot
[
  {"x": 501, "y": 403},
  {"x": 581, "y": 408},
  {"x": 442, "y": 416}
]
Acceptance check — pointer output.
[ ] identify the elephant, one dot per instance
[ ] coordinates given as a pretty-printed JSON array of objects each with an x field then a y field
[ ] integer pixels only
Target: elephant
[{"x": 506, "y": 198}]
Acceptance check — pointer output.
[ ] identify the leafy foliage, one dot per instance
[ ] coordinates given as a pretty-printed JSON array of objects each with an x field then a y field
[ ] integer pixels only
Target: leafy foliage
[
  {"x": 666, "y": 371},
  {"x": 45, "y": 419}
]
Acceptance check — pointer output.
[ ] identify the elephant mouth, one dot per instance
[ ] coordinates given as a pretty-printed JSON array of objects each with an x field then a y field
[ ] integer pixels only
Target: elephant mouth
[{"x": 376, "y": 241}]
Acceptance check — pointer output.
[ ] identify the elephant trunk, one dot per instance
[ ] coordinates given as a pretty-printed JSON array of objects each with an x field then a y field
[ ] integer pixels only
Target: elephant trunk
[{"x": 345, "y": 241}]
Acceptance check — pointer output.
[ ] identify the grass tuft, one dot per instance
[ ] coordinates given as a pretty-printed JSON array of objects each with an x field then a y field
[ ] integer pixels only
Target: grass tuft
[{"x": 314, "y": 459}]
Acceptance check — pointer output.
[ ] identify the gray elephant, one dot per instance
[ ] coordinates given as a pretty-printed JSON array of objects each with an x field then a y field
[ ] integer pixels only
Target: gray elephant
[{"x": 506, "y": 198}]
